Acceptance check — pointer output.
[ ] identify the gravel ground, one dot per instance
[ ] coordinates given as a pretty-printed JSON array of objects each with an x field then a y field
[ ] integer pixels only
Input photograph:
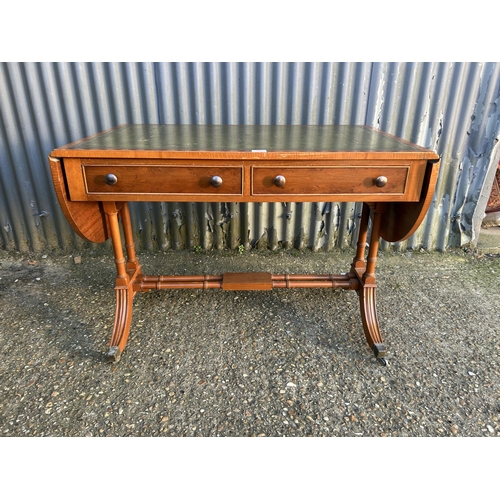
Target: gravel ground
[{"x": 279, "y": 363}]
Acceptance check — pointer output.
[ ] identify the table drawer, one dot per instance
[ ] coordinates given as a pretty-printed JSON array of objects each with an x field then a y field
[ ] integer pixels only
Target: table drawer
[
  {"x": 163, "y": 179},
  {"x": 335, "y": 180}
]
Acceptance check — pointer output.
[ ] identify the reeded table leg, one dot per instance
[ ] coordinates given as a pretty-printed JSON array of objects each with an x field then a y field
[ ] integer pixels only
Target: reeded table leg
[
  {"x": 126, "y": 274},
  {"x": 121, "y": 328},
  {"x": 366, "y": 277}
]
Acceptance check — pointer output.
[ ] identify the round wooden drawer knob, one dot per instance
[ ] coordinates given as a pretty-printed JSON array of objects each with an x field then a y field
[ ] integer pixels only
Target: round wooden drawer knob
[
  {"x": 216, "y": 181},
  {"x": 279, "y": 181},
  {"x": 111, "y": 179},
  {"x": 381, "y": 181}
]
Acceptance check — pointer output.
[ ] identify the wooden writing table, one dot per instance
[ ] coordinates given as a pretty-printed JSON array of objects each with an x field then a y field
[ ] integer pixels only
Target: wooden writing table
[{"x": 95, "y": 177}]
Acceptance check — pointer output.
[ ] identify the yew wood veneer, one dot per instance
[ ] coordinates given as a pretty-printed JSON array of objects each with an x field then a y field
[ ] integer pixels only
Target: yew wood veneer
[{"x": 95, "y": 177}]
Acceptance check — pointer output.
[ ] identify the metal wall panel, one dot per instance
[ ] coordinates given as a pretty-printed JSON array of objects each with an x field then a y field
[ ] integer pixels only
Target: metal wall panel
[{"x": 450, "y": 107}]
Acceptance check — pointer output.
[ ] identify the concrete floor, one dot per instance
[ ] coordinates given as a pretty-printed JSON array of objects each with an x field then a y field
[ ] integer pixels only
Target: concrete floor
[{"x": 489, "y": 240}]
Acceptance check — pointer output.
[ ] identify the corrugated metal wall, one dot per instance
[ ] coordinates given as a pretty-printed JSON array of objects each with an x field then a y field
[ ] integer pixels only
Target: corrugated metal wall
[{"x": 450, "y": 107}]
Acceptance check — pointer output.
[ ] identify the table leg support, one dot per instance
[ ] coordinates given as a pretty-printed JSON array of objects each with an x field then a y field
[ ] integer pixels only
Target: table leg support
[
  {"x": 365, "y": 272},
  {"x": 368, "y": 307},
  {"x": 127, "y": 273},
  {"x": 121, "y": 328},
  {"x": 130, "y": 280}
]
